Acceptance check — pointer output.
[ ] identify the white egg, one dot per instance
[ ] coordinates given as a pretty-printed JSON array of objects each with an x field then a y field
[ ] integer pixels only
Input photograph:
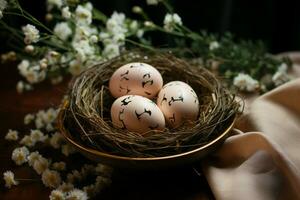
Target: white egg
[
  {"x": 178, "y": 102},
  {"x": 137, "y": 114},
  {"x": 137, "y": 79}
]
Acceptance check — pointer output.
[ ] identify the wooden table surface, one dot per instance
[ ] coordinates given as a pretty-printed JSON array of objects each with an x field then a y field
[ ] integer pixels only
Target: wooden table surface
[{"x": 183, "y": 184}]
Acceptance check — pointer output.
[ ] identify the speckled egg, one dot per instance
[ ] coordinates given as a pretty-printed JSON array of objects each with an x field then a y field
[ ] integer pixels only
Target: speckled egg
[
  {"x": 136, "y": 79},
  {"x": 178, "y": 102},
  {"x": 137, "y": 114}
]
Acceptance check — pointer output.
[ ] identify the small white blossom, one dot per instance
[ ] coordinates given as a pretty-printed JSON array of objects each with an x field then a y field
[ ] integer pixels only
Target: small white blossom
[
  {"x": 83, "y": 49},
  {"x": 19, "y": 155},
  {"x": 94, "y": 39},
  {"x": 38, "y": 136},
  {"x": 57, "y": 195},
  {"x": 89, "y": 6},
  {"x": 244, "y": 82},
  {"x": 67, "y": 149},
  {"x": 12, "y": 135},
  {"x": 140, "y": 33},
  {"x": 34, "y": 156},
  {"x": 152, "y": 2},
  {"x": 111, "y": 50},
  {"x": 31, "y": 34},
  {"x": 9, "y": 179},
  {"x": 28, "y": 119},
  {"x": 54, "y": 3},
  {"x": 62, "y": 30},
  {"x": 83, "y": 15},
  {"x": 3, "y": 5},
  {"x": 137, "y": 9},
  {"x": 281, "y": 76},
  {"x": 66, "y": 187},
  {"x": 77, "y": 194},
  {"x": 214, "y": 45},
  {"x": 65, "y": 12},
  {"x": 59, "y": 166},
  {"x": 56, "y": 140},
  {"x": 40, "y": 165},
  {"x": 29, "y": 48},
  {"x": 171, "y": 20},
  {"x": 27, "y": 141},
  {"x": 51, "y": 178}
]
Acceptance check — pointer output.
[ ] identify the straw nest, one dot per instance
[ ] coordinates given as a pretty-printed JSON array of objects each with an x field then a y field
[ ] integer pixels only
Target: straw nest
[{"x": 89, "y": 101}]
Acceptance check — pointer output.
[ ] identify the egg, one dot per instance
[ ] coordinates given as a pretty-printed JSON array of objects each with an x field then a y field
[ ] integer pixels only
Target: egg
[
  {"x": 136, "y": 79},
  {"x": 178, "y": 102},
  {"x": 137, "y": 114}
]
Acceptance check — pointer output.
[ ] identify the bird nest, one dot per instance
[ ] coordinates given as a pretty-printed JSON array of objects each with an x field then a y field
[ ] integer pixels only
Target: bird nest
[{"x": 87, "y": 114}]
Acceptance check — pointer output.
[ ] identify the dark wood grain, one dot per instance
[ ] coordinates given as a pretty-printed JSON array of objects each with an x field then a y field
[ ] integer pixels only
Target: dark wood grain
[{"x": 181, "y": 183}]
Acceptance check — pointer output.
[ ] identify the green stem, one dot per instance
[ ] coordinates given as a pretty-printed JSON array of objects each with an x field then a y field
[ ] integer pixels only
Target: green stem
[{"x": 140, "y": 45}]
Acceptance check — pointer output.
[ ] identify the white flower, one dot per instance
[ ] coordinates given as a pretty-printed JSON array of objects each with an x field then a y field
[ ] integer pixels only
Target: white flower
[
  {"x": 89, "y": 6},
  {"x": 83, "y": 49},
  {"x": 65, "y": 12},
  {"x": 77, "y": 194},
  {"x": 140, "y": 33},
  {"x": 214, "y": 45},
  {"x": 51, "y": 178},
  {"x": 29, "y": 48},
  {"x": 152, "y": 2},
  {"x": 32, "y": 74},
  {"x": 57, "y": 195},
  {"x": 28, "y": 118},
  {"x": 281, "y": 76},
  {"x": 66, "y": 187},
  {"x": 111, "y": 50},
  {"x": 244, "y": 82},
  {"x": 171, "y": 20},
  {"x": 3, "y": 5},
  {"x": 60, "y": 166},
  {"x": 23, "y": 66},
  {"x": 56, "y": 140},
  {"x": 75, "y": 67},
  {"x": 54, "y": 3},
  {"x": 12, "y": 135},
  {"x": 34, "y": 156},
  {"x": 83, "y": 15},
  {"x": 9, "y": 179},
  {"x": 27, "y": 141},
  {"x": 31, "y": 34},
  {"x": 19, "y": 155},
  {"x": 62, "y": 30},
  {"x": 137, "y": 9},
  {"x": 40, "y": 165},
  {"x": 38, "y": 136},
  {"x": 67, "y": 149},
  {"x": 45, "y": 117},
  {"x": 94, "y": 39}
]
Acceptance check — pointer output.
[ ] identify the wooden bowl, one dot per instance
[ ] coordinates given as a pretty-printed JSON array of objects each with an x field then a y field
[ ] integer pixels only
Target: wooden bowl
[{"x": 145, "y": 163}]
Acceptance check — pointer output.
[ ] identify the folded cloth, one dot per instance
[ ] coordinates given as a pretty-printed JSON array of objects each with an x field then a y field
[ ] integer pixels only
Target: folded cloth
[{"x": 262, "y": 164}]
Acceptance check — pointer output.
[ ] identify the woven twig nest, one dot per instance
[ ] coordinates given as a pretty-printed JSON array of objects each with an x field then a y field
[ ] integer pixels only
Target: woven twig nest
[{"x": 89, "y": 101}]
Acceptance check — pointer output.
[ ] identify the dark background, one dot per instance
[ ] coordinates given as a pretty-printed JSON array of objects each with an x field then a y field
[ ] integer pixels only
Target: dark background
[{"x": 275, "y": 22}]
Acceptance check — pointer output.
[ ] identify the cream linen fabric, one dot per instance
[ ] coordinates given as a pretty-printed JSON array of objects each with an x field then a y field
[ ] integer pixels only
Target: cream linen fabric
[{"x": 261, "y": 161}]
